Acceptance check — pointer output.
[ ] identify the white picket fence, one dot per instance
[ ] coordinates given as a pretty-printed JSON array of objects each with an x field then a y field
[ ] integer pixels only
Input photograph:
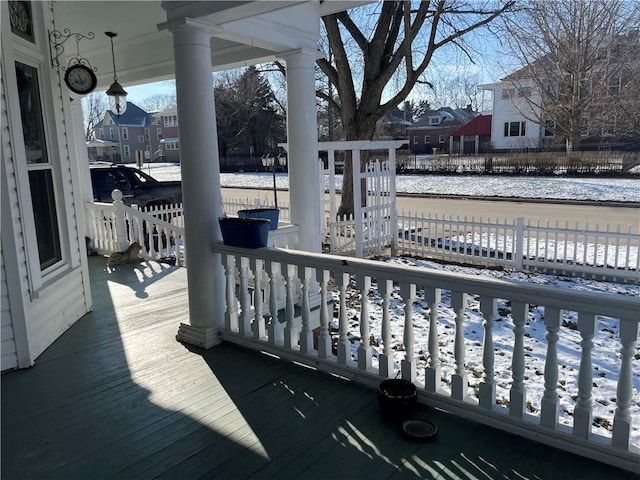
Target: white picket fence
[{"x": 522, "y": 245}]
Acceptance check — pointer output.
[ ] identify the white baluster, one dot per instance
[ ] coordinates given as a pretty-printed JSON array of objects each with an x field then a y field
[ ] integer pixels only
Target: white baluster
[
  {"x": 290, "y": 333},
  {"x": 432, "y": 372},
  {"x": 306, "y": 335},
  {"x": 459, "y": 384},
  {"x": 344, "y": 346},
  {"x": 258, "y": 318},
  {"x": 231, "y": 317},
  {"x": 550, "y": 406},
  {"x": 517, "y": 395},
  {"x": 408, "y": 365},
  {"x": 583, "y": 413},
  {"x": 324, "y": 339},
  {"x": 487, "y": 393},
  {"x": 363, "y": 284},
  {"x": 276, "y": 334},
  {"x": 245, "y": 297},
  {"x": 385, "y": 360},
  {"x": 624, "y": 392}
]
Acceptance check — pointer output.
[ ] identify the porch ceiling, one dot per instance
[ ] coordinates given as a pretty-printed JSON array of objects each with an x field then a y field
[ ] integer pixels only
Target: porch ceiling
[{"x": 249, "y": 32}]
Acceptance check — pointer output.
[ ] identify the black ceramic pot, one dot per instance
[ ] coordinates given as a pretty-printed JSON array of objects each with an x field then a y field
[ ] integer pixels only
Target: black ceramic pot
[{"x": 397, "y": 398}]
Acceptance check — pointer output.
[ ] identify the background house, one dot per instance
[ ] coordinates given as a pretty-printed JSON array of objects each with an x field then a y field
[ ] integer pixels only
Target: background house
[
  {"x": 473, "y": 137},
  {"x": 164, "y": 133},
  {"x": 434, "y": 128},
  {"x": 394, "y": 124},
  {"x": 539, "y": 105},
  {"x": 128, "y": 135}
]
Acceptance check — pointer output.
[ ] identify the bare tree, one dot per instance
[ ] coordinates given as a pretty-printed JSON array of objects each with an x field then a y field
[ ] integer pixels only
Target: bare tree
[
  {"x": 390, "y": 52},
  {"x": 159, "y": 102},
  {"x": 580, "y": 65},
  {"x": 94, "y": 107},
  {"x": 456, "y": 91}
]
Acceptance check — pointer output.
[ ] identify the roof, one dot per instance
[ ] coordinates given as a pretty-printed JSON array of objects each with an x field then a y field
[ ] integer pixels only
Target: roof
[
  {"x": 480, "y": 125},
  {"x": 133, "y": 116},
  {"x": 102, "y": 143},
  {"x": 450, "y": 118}
]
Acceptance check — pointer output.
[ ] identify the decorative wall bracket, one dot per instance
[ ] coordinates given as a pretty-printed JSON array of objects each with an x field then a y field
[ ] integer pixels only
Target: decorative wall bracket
[{"x": 57, "y": 40}]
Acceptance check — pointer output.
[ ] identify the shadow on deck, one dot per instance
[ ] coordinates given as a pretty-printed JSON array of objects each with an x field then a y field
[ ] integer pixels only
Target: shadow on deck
[{"x": 118, "y": 397}]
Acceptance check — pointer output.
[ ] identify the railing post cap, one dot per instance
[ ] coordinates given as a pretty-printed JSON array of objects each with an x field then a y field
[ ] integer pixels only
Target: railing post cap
[{"x": 116, "y": 195}]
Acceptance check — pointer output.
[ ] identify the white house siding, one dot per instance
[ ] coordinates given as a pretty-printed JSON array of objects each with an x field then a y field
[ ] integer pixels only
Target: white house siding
[
  {"x": 8, "y": 345},
  {"x": 40, "y": 307},
  {"x": 511, "y": 110}
]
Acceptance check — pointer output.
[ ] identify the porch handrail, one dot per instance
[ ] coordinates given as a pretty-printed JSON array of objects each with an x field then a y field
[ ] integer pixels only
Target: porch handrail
[{"x": 250, "y": 322}]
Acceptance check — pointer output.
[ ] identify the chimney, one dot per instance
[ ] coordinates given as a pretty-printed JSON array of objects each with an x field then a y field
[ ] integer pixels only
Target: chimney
[{"x": 469, "y": 109}]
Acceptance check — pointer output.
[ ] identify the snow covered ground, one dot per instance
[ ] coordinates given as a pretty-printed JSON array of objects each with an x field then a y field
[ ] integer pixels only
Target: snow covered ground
[
  {"x": 606, "y": 352},
  {"x": 605, "y": 189}
]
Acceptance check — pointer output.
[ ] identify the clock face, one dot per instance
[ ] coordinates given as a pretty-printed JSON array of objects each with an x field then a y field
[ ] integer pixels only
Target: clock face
[{"x": 80, "y": 79}]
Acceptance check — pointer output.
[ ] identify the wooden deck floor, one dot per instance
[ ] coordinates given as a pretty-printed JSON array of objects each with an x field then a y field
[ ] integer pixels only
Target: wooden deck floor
[{"x": 117, "y": 397}]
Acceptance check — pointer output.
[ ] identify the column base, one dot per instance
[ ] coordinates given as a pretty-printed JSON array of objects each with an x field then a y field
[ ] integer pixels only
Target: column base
[{"x": 203, "y": 337}]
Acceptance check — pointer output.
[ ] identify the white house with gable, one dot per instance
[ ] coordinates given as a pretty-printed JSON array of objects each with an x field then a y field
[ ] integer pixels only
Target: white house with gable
[{"x": 513, "y": 107}]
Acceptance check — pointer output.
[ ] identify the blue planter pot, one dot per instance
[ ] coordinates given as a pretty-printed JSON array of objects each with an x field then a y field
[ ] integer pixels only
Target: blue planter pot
[
  {"x": 244, "y": 232},
  {"x": 271, "y": 214}
]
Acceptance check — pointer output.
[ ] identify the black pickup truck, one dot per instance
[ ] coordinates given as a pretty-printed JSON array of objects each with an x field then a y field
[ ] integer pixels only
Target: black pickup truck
[{"x": 136, "y": 186}]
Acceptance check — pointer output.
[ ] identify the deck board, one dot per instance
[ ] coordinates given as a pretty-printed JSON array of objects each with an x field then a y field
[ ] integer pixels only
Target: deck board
[{"x": 117, "y": 397}]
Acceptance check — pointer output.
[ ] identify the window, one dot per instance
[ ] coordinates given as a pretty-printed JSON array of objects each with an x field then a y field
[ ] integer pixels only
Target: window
[
  {"x": 415, "y": 140},
  {"x": 549, "y": 128},
  {"x": 111, "y": 133},
  {"x": 524, "y": 91},
  {"x": 615, "y": 86},
  {"x": 125, "y": 133},
  {"x": 172, "y": 145},
  {"x": 584, "y": 126},
  {"x": 170, "y": 120},
  {"x": 21, "y": 20},
  {"x": 101, "y": 133},
  {"x": 427, "y": 139},
  {"x": 39, "y": 167},
  {"x": 140, "y": 138},
  {"x": 552, "y": 89},
  {"x": 608, "y": 127},
  {"x": 441, "y": 139},
  {"x": 508, "y": 93},
  {"x": 434, "y": 120},
  {"x": 514, "y": 129},
  {"x": 126, "y": 151},
  {"x": 146, "y": 134},
  {"x": 159, "y": 133}
]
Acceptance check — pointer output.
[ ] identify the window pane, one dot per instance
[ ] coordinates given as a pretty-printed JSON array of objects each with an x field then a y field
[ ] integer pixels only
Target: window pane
[
  {"x": 31, "y": 113},
  {"x": 46, "y": 219},
  {"x": 21, "y": 19},
  {"x": 514, "y": 129}
]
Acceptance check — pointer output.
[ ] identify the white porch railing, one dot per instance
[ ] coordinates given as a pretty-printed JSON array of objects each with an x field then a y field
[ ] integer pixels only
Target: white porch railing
[
  {"x": 523, "y": 245},
  {"x": 112, "y": 227},
  {"x": 266, "y": 314}
]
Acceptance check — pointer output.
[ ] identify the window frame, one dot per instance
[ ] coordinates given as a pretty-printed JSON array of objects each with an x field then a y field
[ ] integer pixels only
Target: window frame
[{"x": 39, "y": 273}]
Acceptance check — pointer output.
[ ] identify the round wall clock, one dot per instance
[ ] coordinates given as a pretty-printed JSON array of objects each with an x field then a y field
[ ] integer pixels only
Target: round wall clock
[{"x": 80, "y": 79}]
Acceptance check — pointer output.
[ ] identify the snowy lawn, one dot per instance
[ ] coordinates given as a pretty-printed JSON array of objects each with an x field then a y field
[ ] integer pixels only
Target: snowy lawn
[{"x": 606, "y": 350}]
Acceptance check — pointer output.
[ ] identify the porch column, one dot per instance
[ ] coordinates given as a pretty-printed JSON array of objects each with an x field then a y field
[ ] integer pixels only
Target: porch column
[
  {"x": 302, "y": 139},
  {"x": 201, "y": 195}
]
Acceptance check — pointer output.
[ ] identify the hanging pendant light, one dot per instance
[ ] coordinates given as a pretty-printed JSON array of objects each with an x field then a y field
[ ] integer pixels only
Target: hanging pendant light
[{"x": 117, "y": 95}]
